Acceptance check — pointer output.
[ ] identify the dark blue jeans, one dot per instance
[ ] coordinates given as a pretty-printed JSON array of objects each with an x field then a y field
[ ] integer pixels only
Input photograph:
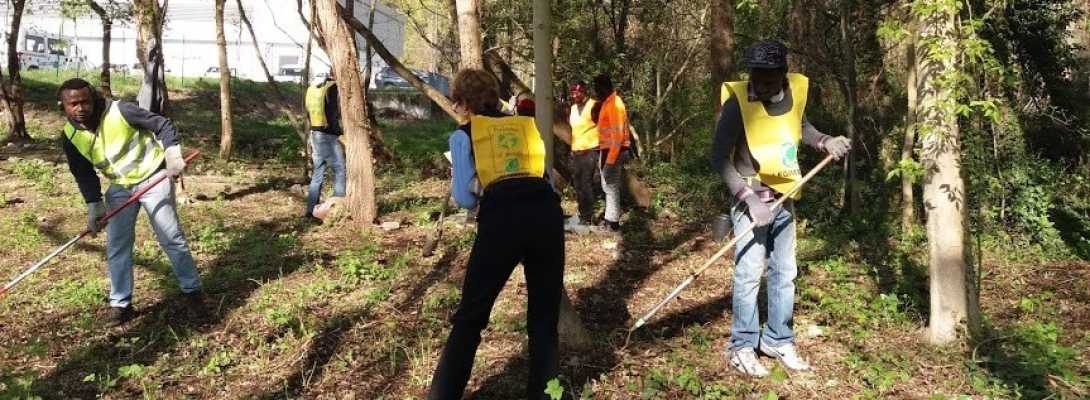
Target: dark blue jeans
[{"x": 327, "y": 153}]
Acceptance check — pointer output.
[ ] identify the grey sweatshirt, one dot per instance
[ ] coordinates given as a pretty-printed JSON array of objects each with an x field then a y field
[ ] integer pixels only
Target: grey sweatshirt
[{"x": 730, "y": 140}]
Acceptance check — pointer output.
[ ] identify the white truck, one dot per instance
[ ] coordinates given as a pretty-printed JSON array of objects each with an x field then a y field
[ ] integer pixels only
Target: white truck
[{"x": 40, "y": 50}]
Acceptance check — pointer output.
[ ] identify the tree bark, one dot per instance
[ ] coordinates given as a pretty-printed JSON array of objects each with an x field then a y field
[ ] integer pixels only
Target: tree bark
[
  {"x": 908, "y": 201},
  {"x": 12, "y": 88},
  {"x": 107, "y": 28},
  {"x": 944, "y": 188},
  {"x": 469, "y": 34},
  {"x": 722, "y": 45},
  {"x": 341, "y": 48},
  {"x": 226, "y": 125},
  {"x": 849, "y": 86},
  {"x": 149, "y": 20}
]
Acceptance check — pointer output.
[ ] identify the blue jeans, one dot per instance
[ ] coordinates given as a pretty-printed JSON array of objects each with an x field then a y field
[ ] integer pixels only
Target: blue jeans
[
  {"x": 775, "y": 244},
  {"x": 121, "y": 234},
  {"x": 327, "y": 152}
]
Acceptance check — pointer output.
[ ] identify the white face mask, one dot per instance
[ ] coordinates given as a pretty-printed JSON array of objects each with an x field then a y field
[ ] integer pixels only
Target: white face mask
[{"x": 318, "y": 80}]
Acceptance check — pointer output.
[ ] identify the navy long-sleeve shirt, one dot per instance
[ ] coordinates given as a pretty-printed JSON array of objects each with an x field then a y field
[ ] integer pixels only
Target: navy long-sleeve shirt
[{"x": 82, "y": 169}]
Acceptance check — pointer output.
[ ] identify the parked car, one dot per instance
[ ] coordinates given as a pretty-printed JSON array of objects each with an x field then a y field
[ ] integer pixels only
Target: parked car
[
  {"x": 214, "y": 72},
  {"x": 387, "y": 78},
  {"x": 289, "y": 73}
]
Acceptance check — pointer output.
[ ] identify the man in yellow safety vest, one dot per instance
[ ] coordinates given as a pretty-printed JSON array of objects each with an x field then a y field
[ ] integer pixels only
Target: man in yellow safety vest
[
  {"x": 324, "y": 113},
  {"x": 584, "y": 150},
  {"x": 755, "y": 149},
  {"x": 130, "y": 146}
]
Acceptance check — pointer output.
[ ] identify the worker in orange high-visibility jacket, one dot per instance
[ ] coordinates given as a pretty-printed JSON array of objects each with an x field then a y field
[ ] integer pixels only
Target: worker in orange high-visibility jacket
[{"x": 611, "y": 118}]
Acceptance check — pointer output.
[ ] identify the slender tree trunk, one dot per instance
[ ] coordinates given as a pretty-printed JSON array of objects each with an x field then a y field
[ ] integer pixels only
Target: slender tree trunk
[
  {"x": 149, "y": 20},
  {"x": 454, "y": 41},
  {"x": 12, "y": 88},
  {"x": 469, "y": 34},
  {"x": 722, "y": 45},
  {"x": 908, "y": 201},
  {"x": 107, "y": 28},
  {"x": 341, "y": 48},
  {"x": 301, "y": 126},
  {"x": 944, "y": 189},
  {"x": 850, "y": 87},
  {"x": 380, "y": 49},
  {"x": 227, "y": 128}
]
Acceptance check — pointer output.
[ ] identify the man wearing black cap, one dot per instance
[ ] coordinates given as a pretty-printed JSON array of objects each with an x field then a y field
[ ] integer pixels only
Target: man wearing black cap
[{"x": 755, "y": 150}]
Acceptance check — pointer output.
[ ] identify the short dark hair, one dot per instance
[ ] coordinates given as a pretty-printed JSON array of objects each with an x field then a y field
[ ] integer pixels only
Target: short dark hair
[
  {"x": 603, "y": 81},
  {"x": 74, "y": 84}
]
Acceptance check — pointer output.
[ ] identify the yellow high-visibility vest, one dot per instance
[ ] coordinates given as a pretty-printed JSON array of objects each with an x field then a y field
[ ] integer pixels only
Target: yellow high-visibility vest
[
  {"x": 125, "y": 155},
  {"x": 315, "y": 102},
  {"x": 774, "y": 140},
  {"x": 584, "y": 132},
  {"x": 506, "y": 147}
]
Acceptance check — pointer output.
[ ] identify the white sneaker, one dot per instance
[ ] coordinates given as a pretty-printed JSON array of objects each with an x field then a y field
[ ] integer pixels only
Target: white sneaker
[
  {"x": 787, "y": 354},
  {"x": 745, "y": 361}
]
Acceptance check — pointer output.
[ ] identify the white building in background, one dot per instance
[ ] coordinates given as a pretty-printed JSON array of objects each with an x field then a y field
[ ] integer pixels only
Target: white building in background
[{"x": 189, "y": 37}]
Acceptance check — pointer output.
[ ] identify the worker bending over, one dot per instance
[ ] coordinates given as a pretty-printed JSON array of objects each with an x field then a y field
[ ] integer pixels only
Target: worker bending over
[{"x": 520, "y": 221}]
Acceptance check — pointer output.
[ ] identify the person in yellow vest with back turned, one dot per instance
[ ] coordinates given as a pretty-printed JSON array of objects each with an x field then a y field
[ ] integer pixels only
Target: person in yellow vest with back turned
[
  {"x": 584, "y": 152},
  {"x": 755, "y": 149},
  {"x": 324, "y": 113},
  {"x": 130, "y": 146},
  {"x": 499, "y": 161}
]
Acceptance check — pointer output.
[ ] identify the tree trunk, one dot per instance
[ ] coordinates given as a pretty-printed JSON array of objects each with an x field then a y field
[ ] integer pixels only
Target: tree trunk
[
  {"x": 469, "y": 34},
  {"x": 722, "y": 45},
  {"x": 944, "y": 189},
  {"x": 12, "y": 88},
  {"x": 341, "y": 48},
  {"x": 908, "y": 201},
  {"x": 849, "y": 86},
  {"x": 150, "y": 17},
  {"x": 107, "y": 28},
  {"x": 452, "y": 9},
  {"x": 226, "y": 128}
]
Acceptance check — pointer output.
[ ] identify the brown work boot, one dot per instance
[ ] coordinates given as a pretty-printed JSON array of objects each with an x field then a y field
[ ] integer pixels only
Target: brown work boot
[
  {"x": 195, "y": 304},
  {"x": 119, "y": 315}
]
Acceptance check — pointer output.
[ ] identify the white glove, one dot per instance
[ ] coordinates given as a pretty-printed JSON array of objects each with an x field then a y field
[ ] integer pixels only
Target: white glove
[
  {"x": 838, "y": 147},
  {"x": 95, "y": 211},
  {"x": 175, "y": 162}
]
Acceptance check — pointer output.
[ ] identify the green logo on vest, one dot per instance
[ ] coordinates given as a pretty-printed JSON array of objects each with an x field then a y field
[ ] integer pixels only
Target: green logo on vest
[
  {"x": 790, "y": 153},
  {"x": 512, "y": 165}
]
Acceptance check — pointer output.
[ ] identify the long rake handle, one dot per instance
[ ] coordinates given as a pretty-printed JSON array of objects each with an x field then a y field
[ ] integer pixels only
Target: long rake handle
[
  {"x": 723, "y": 250},
  {"x": 132, "y": 199}
]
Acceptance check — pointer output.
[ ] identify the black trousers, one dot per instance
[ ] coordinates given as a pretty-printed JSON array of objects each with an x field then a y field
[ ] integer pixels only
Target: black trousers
[
  {"x": 585, "y": 165},
  {"x": 510, "y": 231}
]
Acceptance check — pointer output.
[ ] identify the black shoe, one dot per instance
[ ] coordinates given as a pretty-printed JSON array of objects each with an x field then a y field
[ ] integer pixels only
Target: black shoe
[
  {"x": 195, "y": 305},
  {"x": 611, "y": 226},
  {"x": 120, "y": 315}
]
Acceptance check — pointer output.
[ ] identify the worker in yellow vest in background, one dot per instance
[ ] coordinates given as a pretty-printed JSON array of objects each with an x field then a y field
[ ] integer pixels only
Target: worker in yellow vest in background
[
  {"x": 755, "y": 149},
  {"x": 499, "y": 162},
  {"x": 584, "y": 153},
  {"x": 130, "y": 146},
  {"x": 611, "y": 117},
  {"x": 324, "y": 114}
]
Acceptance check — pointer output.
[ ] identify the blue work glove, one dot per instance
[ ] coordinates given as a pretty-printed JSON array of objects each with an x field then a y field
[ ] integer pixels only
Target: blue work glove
[{"x": 95, "y": 211}]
